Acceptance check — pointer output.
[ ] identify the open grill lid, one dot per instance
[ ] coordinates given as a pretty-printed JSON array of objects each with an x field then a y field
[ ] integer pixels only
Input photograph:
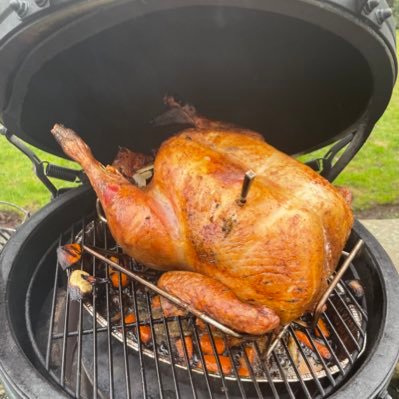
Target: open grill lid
[{"x": 303, "y": 73}]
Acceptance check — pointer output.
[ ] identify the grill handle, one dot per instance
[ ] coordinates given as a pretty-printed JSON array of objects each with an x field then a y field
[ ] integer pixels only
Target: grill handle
[{"x": 44, "y": 169}]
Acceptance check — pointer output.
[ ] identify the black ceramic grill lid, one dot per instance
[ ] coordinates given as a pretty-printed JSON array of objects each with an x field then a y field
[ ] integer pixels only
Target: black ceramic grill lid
[{"x": 303, "y": 73}]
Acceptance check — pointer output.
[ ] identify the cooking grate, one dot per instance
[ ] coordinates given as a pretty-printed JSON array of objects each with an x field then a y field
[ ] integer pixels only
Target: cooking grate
[{"x": 118, "y": 343}]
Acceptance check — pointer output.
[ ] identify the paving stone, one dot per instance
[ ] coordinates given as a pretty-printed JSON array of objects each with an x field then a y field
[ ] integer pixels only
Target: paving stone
[{"x": 387, "y": 233}]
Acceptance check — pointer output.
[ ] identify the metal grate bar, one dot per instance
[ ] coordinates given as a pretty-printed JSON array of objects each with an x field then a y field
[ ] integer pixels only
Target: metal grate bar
[
  {"x": 320, "y": 358},
  {"x": 347, "y": 329},
  {"x": 251, "y": 372},
  {"x": 219, "y": 366},
  {"x": 66, "y": 388},
  {"x": 109, "y": 336},
  {"x": 236, "y": 372},
  {"x": 308, "y": 364},
  {"x": 197, "y": 341},
  {"x": 65, "y": 331},
  {"x": 283, "y": 375},
  {"x": 88, "y": 331},
  {"x": 349, "y": 313},
  {"x": 154, "y": 343},
  {"x": 297, "y": 372},
  {"x": 52, "y": 312},
  {"x": 186, "y": 358},
  {"x": 168, "y": 342},
  {"x": 94, "y": 320},
  {"x": 140, "y": 348},
  {"x": 80, "y": 328},
  {"x": 79, "y": 352},
  {"x": 125, "y": 357},
  {"x": 334, "y": 356},
  {"x": 339, "y": 339},
  {"x": 265, "y": 369}
]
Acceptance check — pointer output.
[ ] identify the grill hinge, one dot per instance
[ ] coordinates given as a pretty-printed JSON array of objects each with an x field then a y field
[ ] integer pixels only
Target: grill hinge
[
  {"x": 330, "y": 167},
  {"x": 44, "y": 169},
  {"x": 325, "y": 164}
]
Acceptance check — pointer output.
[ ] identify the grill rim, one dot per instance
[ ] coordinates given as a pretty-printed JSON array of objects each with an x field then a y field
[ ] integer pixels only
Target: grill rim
[
  {"x": 14, "y": 363},
  {"x": 387, "y": 338},
  {"x": 23, "y": 378}
]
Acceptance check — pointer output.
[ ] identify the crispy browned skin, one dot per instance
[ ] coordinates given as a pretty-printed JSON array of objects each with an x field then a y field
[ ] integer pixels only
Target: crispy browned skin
[
  {"x": 214, "y": 298},
  {"x": 276, "y": 251}
]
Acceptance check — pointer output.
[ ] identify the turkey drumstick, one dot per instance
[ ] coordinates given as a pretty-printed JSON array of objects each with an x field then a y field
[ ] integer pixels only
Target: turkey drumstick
[{"x": 212, "y": 297}]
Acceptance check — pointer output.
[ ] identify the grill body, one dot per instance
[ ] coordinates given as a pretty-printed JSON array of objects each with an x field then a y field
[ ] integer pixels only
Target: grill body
[{"x": 22, "y": 301}]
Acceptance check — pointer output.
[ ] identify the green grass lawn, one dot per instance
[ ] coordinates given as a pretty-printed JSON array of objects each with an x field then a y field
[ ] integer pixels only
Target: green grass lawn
[
  {"x": 18, "y": 182},
  {"x": 373, "y": 175}
]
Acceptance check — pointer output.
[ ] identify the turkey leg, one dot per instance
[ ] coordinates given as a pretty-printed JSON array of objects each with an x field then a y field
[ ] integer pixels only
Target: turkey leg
[
  {"x": 126, "y": 207},
  {"x": 218, "y": 301}
]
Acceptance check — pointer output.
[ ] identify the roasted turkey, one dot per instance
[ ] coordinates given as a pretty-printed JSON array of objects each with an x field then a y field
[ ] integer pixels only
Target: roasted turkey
[{"x": 252, "y": 266}]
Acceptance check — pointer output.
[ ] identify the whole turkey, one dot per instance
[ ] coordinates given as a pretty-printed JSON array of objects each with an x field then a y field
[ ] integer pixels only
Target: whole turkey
[{"x": 252, "y": 266}]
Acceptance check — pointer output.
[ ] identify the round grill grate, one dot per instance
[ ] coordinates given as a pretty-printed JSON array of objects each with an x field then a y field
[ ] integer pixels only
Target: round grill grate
[{"x": 183, "y": 356}]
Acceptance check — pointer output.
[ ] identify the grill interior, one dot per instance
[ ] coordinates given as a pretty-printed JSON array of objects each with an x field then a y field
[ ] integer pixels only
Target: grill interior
[
  {"x": 91, "y": 352},
  {"x": 247, "y": 67}
]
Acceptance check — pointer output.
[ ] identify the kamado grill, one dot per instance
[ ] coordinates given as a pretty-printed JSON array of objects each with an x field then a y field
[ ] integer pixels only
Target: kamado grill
[{"x": 303, "y": 73}]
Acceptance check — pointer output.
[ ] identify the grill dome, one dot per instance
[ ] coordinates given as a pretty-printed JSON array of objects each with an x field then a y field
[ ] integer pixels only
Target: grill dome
[{"x": 301, "y": 74}]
